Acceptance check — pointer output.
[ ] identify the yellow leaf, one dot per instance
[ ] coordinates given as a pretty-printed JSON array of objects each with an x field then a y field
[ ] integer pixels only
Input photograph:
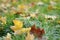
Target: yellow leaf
[
  {"x": 22, "y": 30},
  {"x": 58, "y": 22},
  {"x": 17, "y": 28},
  {"x": 25, "y": 30},
  {"x": 22, "y": 6},
  {"x": 18, "y": 24}
]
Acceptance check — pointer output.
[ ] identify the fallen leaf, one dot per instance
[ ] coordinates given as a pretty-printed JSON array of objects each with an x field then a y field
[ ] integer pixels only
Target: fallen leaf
[
  {"x": 30, "y": 36},
  {"x": 8, "y": 37},
  {"x": 37, "y": 31},
  {"x": 17, "y": 25}
]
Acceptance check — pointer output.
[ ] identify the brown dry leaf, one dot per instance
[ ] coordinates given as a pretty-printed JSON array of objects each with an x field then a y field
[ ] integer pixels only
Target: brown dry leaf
[{"x": 30, "y": 37}]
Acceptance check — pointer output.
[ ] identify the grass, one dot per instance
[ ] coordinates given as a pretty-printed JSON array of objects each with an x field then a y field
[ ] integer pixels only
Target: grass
[{"x": 51, "y": 27}]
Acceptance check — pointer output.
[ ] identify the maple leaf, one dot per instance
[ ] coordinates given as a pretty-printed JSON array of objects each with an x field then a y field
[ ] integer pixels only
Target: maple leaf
[
  {"x": 18, "y": 25},
  {"x": 37, "y": 31},
  {"x": 33, "y": 29}
]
